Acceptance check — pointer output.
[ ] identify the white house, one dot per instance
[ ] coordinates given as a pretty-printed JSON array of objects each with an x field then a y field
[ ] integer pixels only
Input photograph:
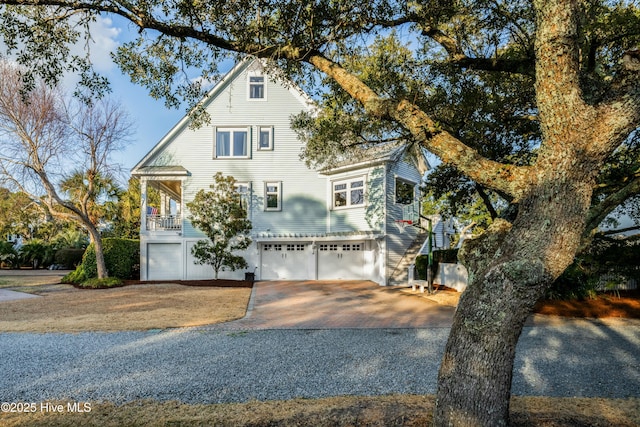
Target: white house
[{"x": 307, "y": 224}]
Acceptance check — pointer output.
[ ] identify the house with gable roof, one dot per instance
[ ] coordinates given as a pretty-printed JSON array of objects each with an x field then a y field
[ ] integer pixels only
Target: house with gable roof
[{"x": 347, "y": 222}]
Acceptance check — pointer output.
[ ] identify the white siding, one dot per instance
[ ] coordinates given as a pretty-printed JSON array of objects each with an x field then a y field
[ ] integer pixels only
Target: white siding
[{"x": 303, "y": 190}]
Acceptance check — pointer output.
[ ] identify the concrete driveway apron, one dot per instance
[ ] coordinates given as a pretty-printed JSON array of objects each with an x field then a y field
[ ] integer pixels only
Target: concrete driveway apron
[{"x": 338, "y": 305}]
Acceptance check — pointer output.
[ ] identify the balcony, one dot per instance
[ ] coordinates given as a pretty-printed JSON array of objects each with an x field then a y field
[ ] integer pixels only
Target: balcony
[{"x": 164, "y": 223}]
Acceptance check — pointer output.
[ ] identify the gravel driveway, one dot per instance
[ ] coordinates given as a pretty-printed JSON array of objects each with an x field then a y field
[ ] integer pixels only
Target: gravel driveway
[{"x": 209, "y": 365}]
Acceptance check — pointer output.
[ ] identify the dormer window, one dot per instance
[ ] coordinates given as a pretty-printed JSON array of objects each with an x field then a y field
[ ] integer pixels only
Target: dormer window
[{"x": 257, "y": 90}]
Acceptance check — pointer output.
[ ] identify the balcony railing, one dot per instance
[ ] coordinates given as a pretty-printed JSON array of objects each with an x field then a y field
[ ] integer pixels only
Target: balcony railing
[{"x": 164, "y": 223}]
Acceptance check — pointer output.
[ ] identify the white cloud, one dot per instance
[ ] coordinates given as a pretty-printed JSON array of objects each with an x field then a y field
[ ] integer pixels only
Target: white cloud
[{"x": 104, "y": 35}]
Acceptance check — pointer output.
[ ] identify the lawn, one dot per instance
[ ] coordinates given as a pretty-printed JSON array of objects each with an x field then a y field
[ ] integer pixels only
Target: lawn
[
  {"x": 165, "y": 305},
  {"x": 64, "y": 308}
]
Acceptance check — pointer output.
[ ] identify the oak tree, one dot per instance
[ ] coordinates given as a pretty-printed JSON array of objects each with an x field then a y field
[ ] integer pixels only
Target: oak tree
[{"x": 578, "y": 59}]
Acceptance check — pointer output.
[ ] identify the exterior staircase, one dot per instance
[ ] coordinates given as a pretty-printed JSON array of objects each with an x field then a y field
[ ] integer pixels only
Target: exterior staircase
[{"x": 400, "y": 274}]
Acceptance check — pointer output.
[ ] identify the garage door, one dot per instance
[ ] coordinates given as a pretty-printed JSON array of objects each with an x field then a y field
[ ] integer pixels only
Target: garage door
[
  {"x": 284, "y": 261},
  {"x": 340, "y": 261},
  {"x": 164, "y": 261}
]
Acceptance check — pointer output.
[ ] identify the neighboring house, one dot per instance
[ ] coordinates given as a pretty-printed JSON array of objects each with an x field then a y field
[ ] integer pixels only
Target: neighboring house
[{"x": 338, "y": 223}]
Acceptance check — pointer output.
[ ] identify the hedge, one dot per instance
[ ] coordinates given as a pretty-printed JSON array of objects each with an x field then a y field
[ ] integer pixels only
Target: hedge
[
  {"x": 69, "y": 257},
  {"x": 444, "y": 255},
  {"x": 121, "y": 256}
]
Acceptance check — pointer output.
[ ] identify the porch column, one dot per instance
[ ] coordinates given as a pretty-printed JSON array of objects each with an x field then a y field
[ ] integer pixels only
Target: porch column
[
  {"x": 143, "y": 205},
  {"x": 164, "y": 204}
]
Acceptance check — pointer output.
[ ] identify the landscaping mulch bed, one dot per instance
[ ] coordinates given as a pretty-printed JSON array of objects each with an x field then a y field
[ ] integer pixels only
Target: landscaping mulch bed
[{"x": 623, "y": 304}]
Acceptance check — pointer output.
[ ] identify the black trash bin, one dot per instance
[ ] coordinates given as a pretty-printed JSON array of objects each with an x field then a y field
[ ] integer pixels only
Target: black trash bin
[{"x": 250, "y": 277}]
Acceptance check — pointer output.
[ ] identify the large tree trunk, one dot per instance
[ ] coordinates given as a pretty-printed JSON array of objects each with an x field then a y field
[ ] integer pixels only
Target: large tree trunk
[
  {"x": 474, "y": 383},
  {"x": 96, "y": 239}
]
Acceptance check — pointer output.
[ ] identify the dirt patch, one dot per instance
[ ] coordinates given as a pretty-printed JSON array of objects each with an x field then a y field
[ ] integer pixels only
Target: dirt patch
[{"x": 136, "y": 307}]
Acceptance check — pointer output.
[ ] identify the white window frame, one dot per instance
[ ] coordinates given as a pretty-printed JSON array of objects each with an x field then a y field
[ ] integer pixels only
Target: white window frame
[
  {"x": 232, "y": 130},
  {"x": 348, "y": 190},
  {"x": 277, "y": 193},
  {"x": 404, "y": 181},
  {"x": 265, "y": 130},
  {"x": 251, "y": 75}
]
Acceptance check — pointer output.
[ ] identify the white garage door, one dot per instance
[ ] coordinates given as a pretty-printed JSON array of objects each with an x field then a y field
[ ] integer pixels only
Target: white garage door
[
  {"x": 284, "y": 261},
  {"x": 164, "y": 261},
  {"x": 340, "y": 261}
]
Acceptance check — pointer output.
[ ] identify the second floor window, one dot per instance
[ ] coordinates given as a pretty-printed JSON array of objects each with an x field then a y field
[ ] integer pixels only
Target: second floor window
[
  {"x": 232, "y": 142},
  {"x": 405, "y": 192},
  {"x": 265, "y": 138},
  {"x": 348, "y": 193},
  {"x": 273, "y": 196}
]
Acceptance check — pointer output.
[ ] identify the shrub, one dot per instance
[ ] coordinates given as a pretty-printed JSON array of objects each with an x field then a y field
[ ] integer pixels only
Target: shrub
[
  {"x": 607, "y": 260},
  {"x": 8, "y": 255},
  {"x": 76, "y": 277},
  {"x": 444, "y": 255},
  {"x": 69, "y": 257},
  {"x": 122, "y": 257},
  {"x": 95, "y": 283},
  {"x": 574, "y": 283}
]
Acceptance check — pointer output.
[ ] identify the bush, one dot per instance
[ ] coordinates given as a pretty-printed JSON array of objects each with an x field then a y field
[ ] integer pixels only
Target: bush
[
  {"x": 95, "y": 283},
  {"x": 573, "y": 284},
  {"x": 122, "y": 257},
  {"x": 618, "y": 258},
  {"x": 8, "y": 255},
  {"x": 69, "y": 257},
  {"x": 76, "y": 277},
  {"x": 444, "y": 255}
]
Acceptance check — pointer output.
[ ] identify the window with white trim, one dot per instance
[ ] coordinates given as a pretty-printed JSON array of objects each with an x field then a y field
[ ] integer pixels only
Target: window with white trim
[
  {"x": 257, "y": 87},
  {"x": 348, "y": 193},
  {"x": 273, "y": 196},
  {"x": 265, "y": 138},
  {"x": 232, "y": 143},
  {"x": 405, "y": 191}
]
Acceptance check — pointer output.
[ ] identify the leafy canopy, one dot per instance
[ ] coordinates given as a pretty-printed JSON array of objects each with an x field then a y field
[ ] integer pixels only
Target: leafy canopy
[{"x": 221, "y": 216}]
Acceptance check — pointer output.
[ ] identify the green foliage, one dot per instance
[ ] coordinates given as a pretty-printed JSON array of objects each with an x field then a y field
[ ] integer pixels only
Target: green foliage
[
  {"x": 8, "y": 255},
  {"x": 126, "y": 218},
  {"x": 444, "y": 255},
  {"x": 95, "y": 283},
  {"x": 221, "y": 216},
  {"x": 618, "y": 259},
  {"x": 36, "y": 252},
  {"x": 69, "y": 257},
  {"x": 75, "y": 277},
  {"x": 94, "y": 195},
  {"x": 122, "y": 257}
]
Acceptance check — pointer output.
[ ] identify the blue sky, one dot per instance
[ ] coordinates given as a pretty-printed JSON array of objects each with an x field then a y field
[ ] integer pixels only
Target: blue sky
[{"x": 152, "y": 120}]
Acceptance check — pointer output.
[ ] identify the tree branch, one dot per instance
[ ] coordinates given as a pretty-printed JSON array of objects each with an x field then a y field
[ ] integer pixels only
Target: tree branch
[
  {"x": 509, "y": 179},
  {"x": 599, "y": 212},
  {"x": 458, "y": 58}
]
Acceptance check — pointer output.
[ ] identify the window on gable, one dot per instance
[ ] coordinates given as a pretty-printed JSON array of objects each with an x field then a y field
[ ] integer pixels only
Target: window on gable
[
  {"x": 348, "y": 193},
  {"x": 232, "y": 142},
  {"x": 256, "y": 87},
  {"x": 273, "y": 196},
  {"x": 265, "y": 138},
  {"x": 405, "y": 191}
]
